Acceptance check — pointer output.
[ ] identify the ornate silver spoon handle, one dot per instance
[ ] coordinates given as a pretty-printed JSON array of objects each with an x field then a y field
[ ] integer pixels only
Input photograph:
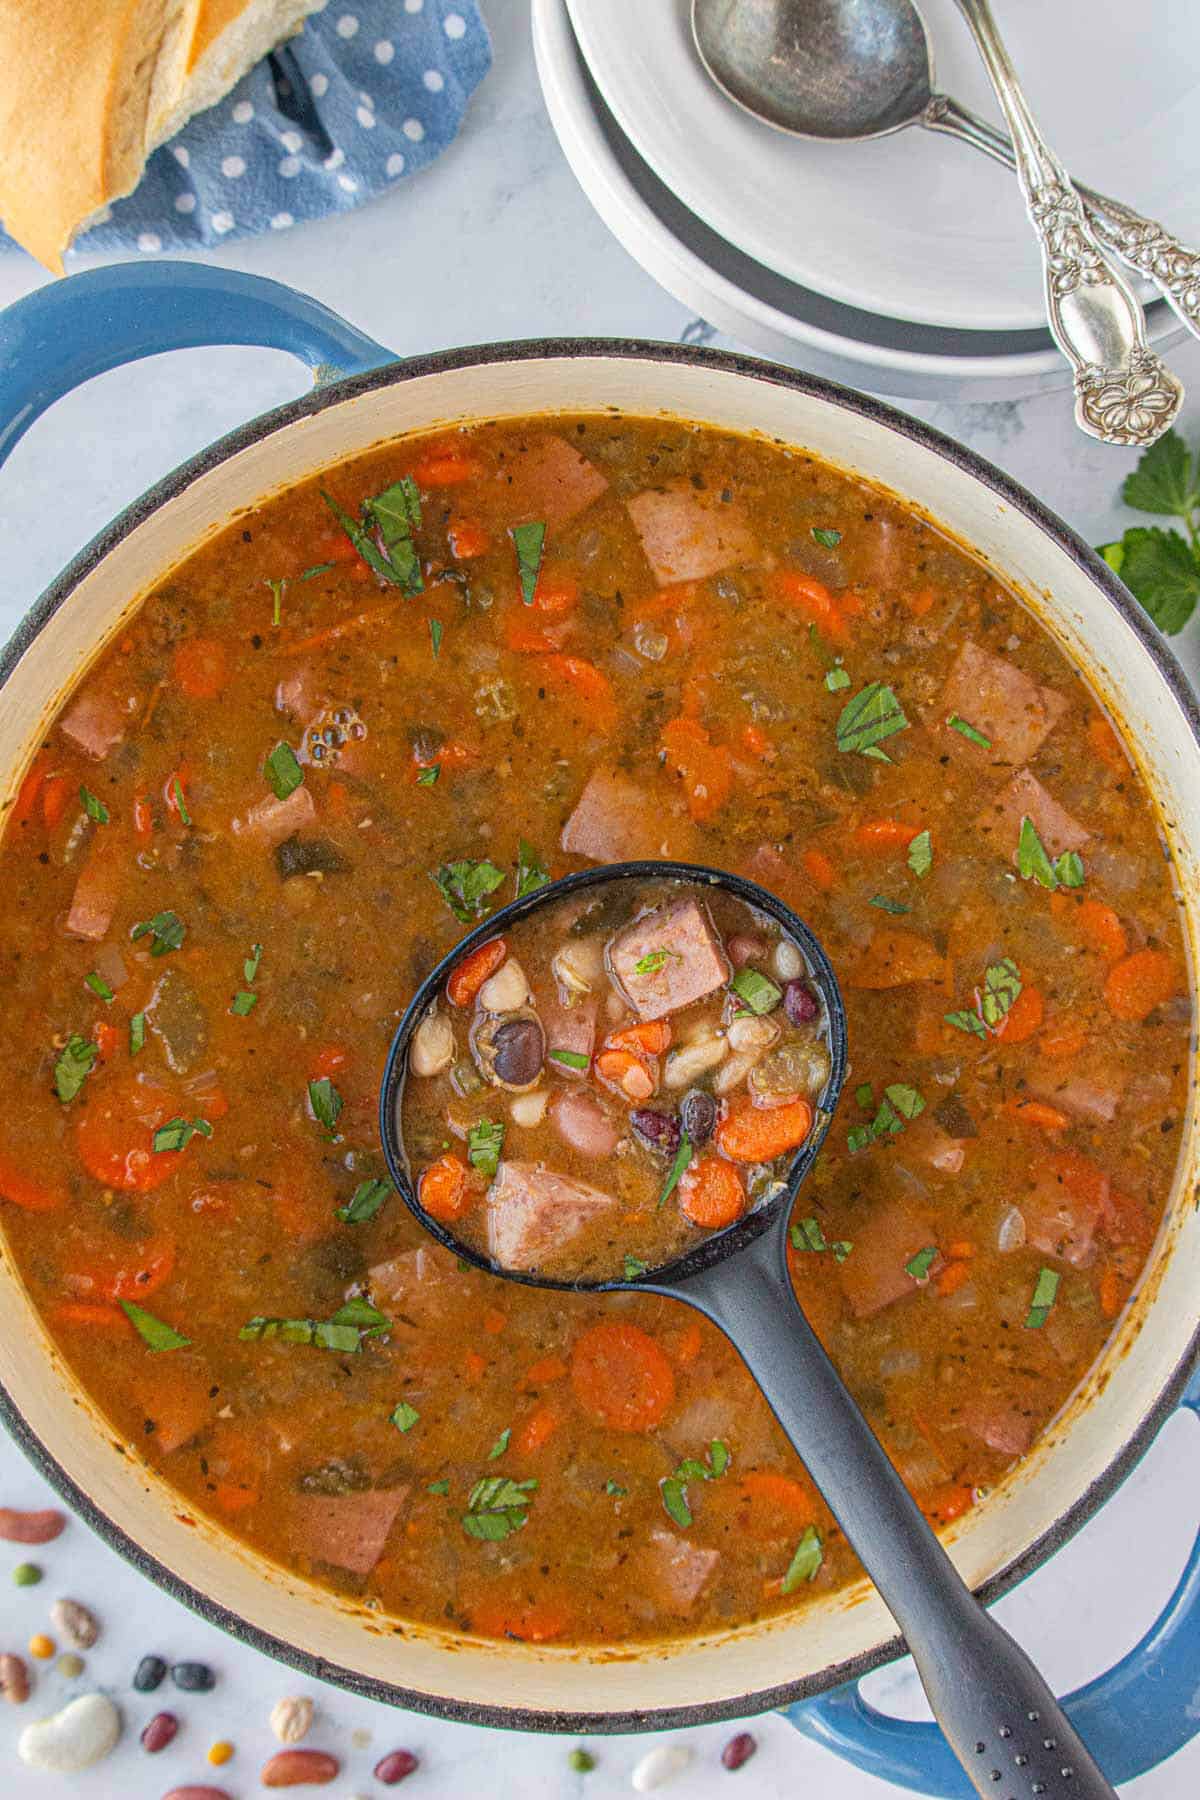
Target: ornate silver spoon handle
[
  {"x": 1124, "y": 393},
  {"x": 1143, "y": 243}
]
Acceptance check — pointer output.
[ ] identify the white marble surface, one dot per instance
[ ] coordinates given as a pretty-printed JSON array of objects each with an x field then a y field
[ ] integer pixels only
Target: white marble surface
[{"x": 497, "y": 241}]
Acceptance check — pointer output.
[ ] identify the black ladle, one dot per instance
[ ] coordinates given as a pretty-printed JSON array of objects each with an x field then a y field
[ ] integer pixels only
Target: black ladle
[{"x": 999, "y": 1717}]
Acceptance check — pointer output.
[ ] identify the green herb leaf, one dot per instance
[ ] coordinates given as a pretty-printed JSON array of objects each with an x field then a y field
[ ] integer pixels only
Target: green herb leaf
[
  {"x": 404, "y": 1416},
  {"x": 900, "y": 1103},
  {"x": 675, "y": 1500},
  {"x": 806, "y": 1234},
  {"x": 177, "y": 1134},
  {"x": 276, "y": 588},
  {"x": 396, "y": 514},
  {"x": 634, "y": 1266},
  {"x": 527, "y": 542},
  {"x": 438, "y": 1487},
  {"x": 841, "y": 1248},
  {"x": 570, "y": 1059},
  {"x": 673, "y": 1488},
  {"x": 859, "y": 1137},
  {"x": 99, "y": 987},
  {"x": 891, "y": 907},
  {"x": 1001, "y": 986},
  {"x": 683, "y": 1157},
  {"x": 316, "y": 569},
  {"x": 428, "y": 775},
  {"x": 532, "y": 872},
  {"x": 966, "y": 1021},
  {"x": 906, "y": 1100},
  {"x": 93, "y": 807},
  {"x": 920, "y": 854},
  {"x": 873, "y": 715},
  {"x": 465, "y": 886},
  {"x": 1069, "y": 869},
  {"x": 1161, "y": 569},
  {"x": 865, "y": 1095},
  {"x": 614, "y": 1487},
  {"x": 969, "y": 732},
  {"x": 364, "y": 1202},
  {"x": 250, "y": 965},
  {"x": 755, "y": 991},
  {"x": 485, "y": 1140},
  {"x": 435, "y": 637},
  {"x": 497, "y": 1506},
  {"x": 243, "y": 1003},
  {"x": 1032, "y": 859},
  {"x": 654, "y": 960},
  {"x": 825, "y": 534},
  {"x": 283, "y": 771},
  {"x": 1045, "y": 1293},
  {"x": 1166, "y": 480},
  {"x": 806, "y": 1560},
  {"x": 153, "y": 1332},
  {"x": 166, "y": 930},
  {"x": 137, "y": 1033},
  {"x": 918, "y": 1266},
  {"x": 836, "y": 679},
  {"x": 344, "y": 1333},
  {"x": 73, "y": 1066},
  {"x": 501, "y": 1444},
  {"x": 326, "y": 1104}
]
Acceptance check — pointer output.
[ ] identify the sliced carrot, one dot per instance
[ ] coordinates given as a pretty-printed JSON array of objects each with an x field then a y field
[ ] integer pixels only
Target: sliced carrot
[
  {"x": 774, "y": 1505},
  {"x": 952, "y": 1277},
  {"x": 446, "y": 468},
  {"x": 591, "y": 685},
  {"x": 754, "y": 1134},
  {"x": 530, "y": 1621},
  {"x": 1023, "y": 1018},
  {"x": 494, "y": 1321},
  {"x": 536, "y": 1429},
  {"x": 962, "y": 1249},
  {"x": 444, "y": 1189},
  {"x": 1101, "y": 930},
  {"x": 1062, "y": 1040},
  {"x": 819, "y": 868},
  {"x": 125, "y": 1277},
  {"x": 234, "y": 1460},
  {"x": 1039, "y": 1113},
  {"x": 706, "y": 768},
  {"x": 685, "y": 1345},
  {"x": 468, "y": 976},
  {"x": 474, "y": 1366},
  {"x": 621, "y": 1377},
  {"x": 1111, "y": 1292},
  {"x": 468, "y": 540},
  {"x": 348, "y": 627},
  {"x": 951, "y": 1501},
  {"x": 650, "y": 1038},
  {"x": 546, "y": 1368},
  {"x": 115, "y": 1138},
  {"x": 1107, "y": 745},
  {"x": 28, "y": 793},
  {"x": 556, "y": 592},
  {"x": 328, "y": 1061},
  {"x": 26, "y": 1191},
  {"x": 625, "y": 1072},
  {"x": 201, "y": 667},
  {"x": 711, "y": 1193},
  {"x": 1139, "y": 983},
  {"x": 896, "y": 958},
  {"x": 756, "y": 741},
  {"x": 523, "y": 635},
  {"x": 813, "y": 601},
  {"x": 921, "y": 602},
  {"x": 334, "y": 546},
  {"x": 91, "y": 1315},
  {"x": 56, "y": 797},
  {"x": 887, "y": 837}
]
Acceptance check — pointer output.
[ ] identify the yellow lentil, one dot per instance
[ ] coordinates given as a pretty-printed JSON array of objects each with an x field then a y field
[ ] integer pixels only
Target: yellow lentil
[
  {"x": 220, "y": 1752},
  {"x": 41, "y": 1646}
]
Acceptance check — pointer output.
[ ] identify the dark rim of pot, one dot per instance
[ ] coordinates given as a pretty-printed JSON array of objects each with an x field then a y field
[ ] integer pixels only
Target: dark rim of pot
[{"x": 1013, "y": 496}]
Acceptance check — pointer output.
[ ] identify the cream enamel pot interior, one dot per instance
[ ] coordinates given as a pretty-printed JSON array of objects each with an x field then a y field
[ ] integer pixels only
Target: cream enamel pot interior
[{"x": 73, "y": 329}]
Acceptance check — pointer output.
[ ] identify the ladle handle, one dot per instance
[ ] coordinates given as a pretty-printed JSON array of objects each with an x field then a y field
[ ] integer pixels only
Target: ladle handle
[
  {"x": 1124, "y": 393},
  {"x": 998, "y": 1715}
]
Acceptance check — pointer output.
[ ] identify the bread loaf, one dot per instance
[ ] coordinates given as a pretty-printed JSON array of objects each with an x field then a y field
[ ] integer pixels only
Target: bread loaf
[{"x": 89, "y": 87}]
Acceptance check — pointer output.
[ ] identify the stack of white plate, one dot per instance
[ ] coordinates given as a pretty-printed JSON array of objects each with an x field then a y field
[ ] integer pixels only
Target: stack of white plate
[{"x": 905, "y": 265}]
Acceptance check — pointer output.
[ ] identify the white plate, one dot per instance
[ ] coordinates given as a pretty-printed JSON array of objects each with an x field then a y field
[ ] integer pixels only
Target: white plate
[
  {"x": 756, "y": 306},
  {"x": 929, "y": 227}
]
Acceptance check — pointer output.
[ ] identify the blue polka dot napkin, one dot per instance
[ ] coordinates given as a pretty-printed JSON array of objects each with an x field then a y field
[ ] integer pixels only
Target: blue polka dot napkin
[{"x": 370, "y": 91}]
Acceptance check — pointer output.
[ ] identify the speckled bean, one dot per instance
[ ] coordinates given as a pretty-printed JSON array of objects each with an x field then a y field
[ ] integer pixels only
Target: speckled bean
[
  {"x": 396, "y": 1766},
  {"x": 30, "y": 1527},
  {"x": 159, "y": 1732},
  {"x": 76, "y": 1622},
  {"x": 299, "y": 1768},
  {"x": 14, "y": 1679}
]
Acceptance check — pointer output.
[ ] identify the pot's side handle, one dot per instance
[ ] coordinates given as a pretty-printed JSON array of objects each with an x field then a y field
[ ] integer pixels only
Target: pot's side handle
[
  {"x": 66, "y": 332},
  {"x": 1131, "y": 1718}
]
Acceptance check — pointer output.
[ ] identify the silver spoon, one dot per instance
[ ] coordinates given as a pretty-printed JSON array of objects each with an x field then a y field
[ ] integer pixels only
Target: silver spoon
[
  {"x": 840, "y": 72},
  {"x": 999, "y": 1717}
]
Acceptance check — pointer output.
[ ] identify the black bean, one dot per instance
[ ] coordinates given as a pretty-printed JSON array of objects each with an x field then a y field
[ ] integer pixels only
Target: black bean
[
  {"x": 657, "y": 1130},
  {"x": 148, "y": 1674},
  {"x": 520, "y": 1048},
  {"x": 699, "y": 1115},
  {"x": 800, "y": 1003},
  {"x": 193, "y": 1677},
  {"x": 739, "y": 1750}
]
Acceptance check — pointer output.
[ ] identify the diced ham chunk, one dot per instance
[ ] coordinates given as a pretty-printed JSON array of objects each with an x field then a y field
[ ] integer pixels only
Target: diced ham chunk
[
  {"x": 1002, "y": 702},
  {"x": 269, "y": 821},
  {"x": 347, "y": 1531},
  {"x": 96, "y": 720},
  {"x": 421, "y": 1289},
  {"x": 570, "y": 1028},
  {"x": 615, "y": 820},
  {"x": 688, "y": 533},
  {"x": 876, "y": 1274},
  {"x": 1000, "y": 1425},
  {"x": 1000, "y": 821},
  {"x": 534, "y": 1211},
  {"x": 682, "y": 959},
  {"x": 1096, "y": 1101},
  {"x": 676, "y": 1572},
  {"x": 551, "y": 480},
  {"x": 1063, "y": 1208},
  {"x": 97, "y": 889}
]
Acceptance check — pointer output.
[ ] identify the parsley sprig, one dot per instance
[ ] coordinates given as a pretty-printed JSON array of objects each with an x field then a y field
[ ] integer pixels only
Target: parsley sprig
[
  {"x": 673, "y": 1488},
  {"x": 1159, "y": 565}
]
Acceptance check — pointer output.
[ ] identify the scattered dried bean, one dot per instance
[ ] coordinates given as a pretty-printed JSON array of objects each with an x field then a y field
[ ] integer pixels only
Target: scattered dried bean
[
  {"x": 41, "y": 1646},
  {"x": 291, "y": 1719},
  {"x": 581, "y": 1761},
  {"x": 14, "y": 1679},
  {"x": 299, "y": 1768},
  {"x": 396, "y": 1766},
  {"x": 159, "y": 1732},
  {"x": 30, "y": 1527},
  {"x": 148, "y": 1674},
  {"x": 77, "y": 1624},
  {"x": 698, "y": 1114},
  {"x": 83, "y": 1732},
  {"x": 27, "y": 1575},
  {"x": 800, "y": 1003},
  {"x": 69, "y": 1665},
  {"x": 193, "y": 1677},
  {"x": 221, "y": 1752},
  {"x": 739, "y": 1750},
  {"x": 659, "y": 1766},
  {"x": 198, "y": 1793}
]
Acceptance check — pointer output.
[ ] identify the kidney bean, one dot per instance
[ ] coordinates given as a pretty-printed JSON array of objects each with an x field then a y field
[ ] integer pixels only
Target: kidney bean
[
  {"x": 395, "y": 1766},
  {"x": 30, "y": 1527},
  {"x": 299, "y": 1768},
  {"x": 699, "y": 1116},
  {"x": 658, "y": 1130},
  {"x": 198, "y": 1793},
  {"x": 159, "y": 1732},
  {"x": 800, "y": 1003},
  {"x": 14, "y": 1679},
  {"x": 520, "y": 1048},
  {"x": 739, "y": 1750}
]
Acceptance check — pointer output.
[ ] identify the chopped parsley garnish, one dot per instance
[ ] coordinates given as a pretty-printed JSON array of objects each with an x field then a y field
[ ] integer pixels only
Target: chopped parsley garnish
[
  {"x": 827, "y": 536},
  {"x": 570, "y": 1059},
  {"x": 869, "y": 719},
  {"x": 1033, "y": 859},
  {"x": 93, "y": 806},
  {"x": 326, "y": 1104},
  {"x": 244, "y": 1001},
  {"x": 806, "y": 1234},
  {"x": 485, "y": 1140},
  {"x": 177, "y": 1134},
  {"x": 250, "y": 965},
  {"x": 137, "y": 1033},
  {"x": 438, "y": 1487},
  {"x": 1001, "y": 987},
  {"x": 806, "y": 1560},
  {"x": 404, "y": 1416},
  {"x": 316, "y": 569},
  {"x": 277, "y": 588},
  {"x": 1069, "y": 869},
  {"x": 918, "y": 1266},
  {"x": 383, "y": 534},
  {"x": 73, "y": 1066},
  {"x": 99, "y": 987},
  {"x": 683, "y": 1157},
  {"x": 614, "y": 1487},
  {"x": 1045, "y": 1293},
  {"x": 756, "y": 991},
  {"x": 465, "y": 886},
  {"x": 166, "y": 930},
  {"x": 654, "y": 960},
  {"x": 1161, "y": 566},
  {"x": 427, "y": 776},
  {"x": 864, "y": 1093},
  {"x": 892, "y": 907},
  {"x": 435, "y": 637},
  {"x": 527, "y": 542},
  {"x": 153, "y": 1332},
  {"x": 965, "y": 1020},
  {"x": 836, "y": 679},
  {"x": 532, "y": 872},
  {"x": 673, "y": 1488},
  {"x": 634, "y": 1266},
  {"x": 364, "y": 1202},
  {"x": 900, "y": 1105},
  {"x": 496, "y": 1507},
  {"x": 283, "y": 771},
  {"x": 920, "y": 854},
  {"x": 501, "y": 1444},
  {"x": 969, "y": 732},
  {"x": 178, "y": 801},
  {"x": 346, "y": 1332}
]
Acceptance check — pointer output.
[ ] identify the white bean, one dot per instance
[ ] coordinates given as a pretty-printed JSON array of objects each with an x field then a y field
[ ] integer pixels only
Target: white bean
[
  {"x": 432, "y": 1049},
  {"x": 74, "y": 1738},
  {"x": 690, "y": 1061},
  {"x": 506, "y": 990},
  {"x": 578, "y": 968},
  {"x": 530, "y": 1109},
  {"x": 752, "y": 1034},
  {"x": 735, "y": 1071},
  {"x": 659, "y": 1766},
  {"x": 787, "y": 960}
]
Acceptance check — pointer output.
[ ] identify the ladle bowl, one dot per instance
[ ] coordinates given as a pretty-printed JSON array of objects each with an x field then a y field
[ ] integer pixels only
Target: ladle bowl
[{"x": 1002, "y": 1721}]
